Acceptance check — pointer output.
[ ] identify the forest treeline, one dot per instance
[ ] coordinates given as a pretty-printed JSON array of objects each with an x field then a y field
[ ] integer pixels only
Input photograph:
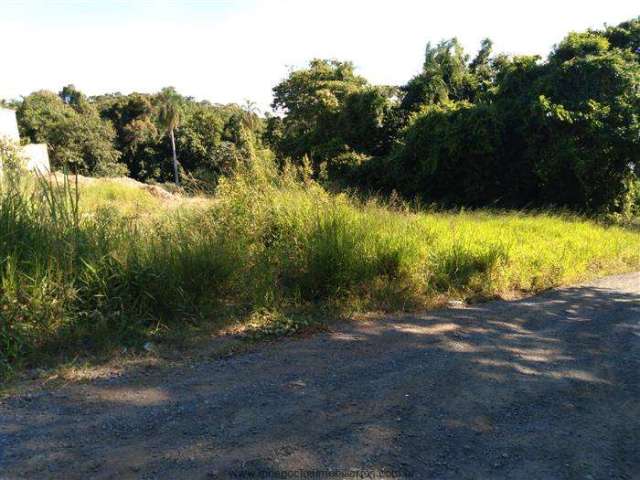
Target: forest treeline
[
  {"x": 116, "y": 134},
  {"x": 483, "y": 130}
]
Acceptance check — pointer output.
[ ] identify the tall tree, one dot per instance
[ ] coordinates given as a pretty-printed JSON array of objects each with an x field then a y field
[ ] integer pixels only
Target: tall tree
[
  {"x": 445, "y": 77},
  {"x": 169, "y": 116},
  {"x": 311, "y": 100},
  {"x": 137, "y": 135}
]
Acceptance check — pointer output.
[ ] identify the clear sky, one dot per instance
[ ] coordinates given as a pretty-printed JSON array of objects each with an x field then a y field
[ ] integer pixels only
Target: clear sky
[{"x": 230, "y": 51}]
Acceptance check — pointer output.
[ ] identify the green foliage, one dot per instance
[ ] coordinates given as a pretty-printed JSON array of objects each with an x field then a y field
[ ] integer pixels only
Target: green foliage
[
  {"x": 72, "y": 279},
  {"x": 578, "y": 45},
  {"x": 517, "y": 132},
  {"x": 346, "y": 166},
  {"x": 328, "y": 110},
  {"x": 137, "y": 135},
  {"x": 446, "y": 76},
  {"x": 625, "y": 36},
  {"x": 467, "y": 130},
  {"x": 492, "y": 130},
  {"x": 86, "y": 267},
  {"x": 169, "y": 115},
  {"x": 452, "y": 153},
  {"x": 169, "y": 109},
  {"x": 77, "y": 137},
  {"x": 80, "y": 272},
  {"x": 587, "y": 130},
  {"x": 11, "y": 160},
  {"x": 364, "y": 119},
  {"x": 115, "y": 134}
]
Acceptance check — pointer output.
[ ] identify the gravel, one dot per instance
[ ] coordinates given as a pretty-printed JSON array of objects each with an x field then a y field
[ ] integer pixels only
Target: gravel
[{"x": 546, "y": 387}]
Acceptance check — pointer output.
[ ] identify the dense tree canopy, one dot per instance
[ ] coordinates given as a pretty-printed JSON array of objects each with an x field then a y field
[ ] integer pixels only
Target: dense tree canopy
[
  {"x": 519, "y": 131},
  {"x": 488, "y": 129},
  {"x": 77, "y": 137},
  {"x": 328, "y": 110},
  {"x": 117, "y": 134}
]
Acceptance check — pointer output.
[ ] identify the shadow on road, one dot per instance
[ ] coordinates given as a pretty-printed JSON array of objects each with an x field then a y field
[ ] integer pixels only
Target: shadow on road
[{"x": 546, "y": 387}]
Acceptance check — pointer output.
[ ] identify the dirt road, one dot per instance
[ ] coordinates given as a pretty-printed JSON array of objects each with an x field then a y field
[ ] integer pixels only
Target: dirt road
[{"x": 543, "y": 388}]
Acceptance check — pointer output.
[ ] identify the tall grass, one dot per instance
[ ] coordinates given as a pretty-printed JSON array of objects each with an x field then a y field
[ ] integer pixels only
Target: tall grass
[
  {"x": 72, "y": 280},
  {"x": 77, "y": 277}
]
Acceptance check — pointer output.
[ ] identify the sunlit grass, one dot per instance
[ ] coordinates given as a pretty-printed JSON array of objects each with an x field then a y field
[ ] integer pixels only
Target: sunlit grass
[
  {"x": 127, "y": 199},
  {"x": 110, "y": 264}
]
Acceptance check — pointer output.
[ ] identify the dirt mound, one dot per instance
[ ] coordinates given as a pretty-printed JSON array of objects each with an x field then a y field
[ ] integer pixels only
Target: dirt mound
[
  {"x": 155, "y": 190},
  {"x": 159, "y": 192}
]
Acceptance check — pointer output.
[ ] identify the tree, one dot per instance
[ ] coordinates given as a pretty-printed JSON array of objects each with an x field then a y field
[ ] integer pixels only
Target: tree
[
  {"x": 625, "y": 36},
  {"x": 311, "y": 101},
  {"x": 483, "y": 69},
  {"x": 329, "y": 114},
  {"x": 137, "y": 137},
  {"x": 445, "y": 77},
  {"x": 75, "y": 134},
  {"x": 70, "y": 95},
  {"x": 519, "y": 131},
  {"x": 208, "y": 137},
  {"x": 364, "y": 119},
  {"x": 585, "y": 133},
  {"x": 169, "y": 116}
]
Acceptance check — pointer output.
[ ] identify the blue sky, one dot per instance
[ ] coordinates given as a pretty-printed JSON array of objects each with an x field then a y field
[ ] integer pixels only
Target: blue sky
[{"x": 229, "y": 51}]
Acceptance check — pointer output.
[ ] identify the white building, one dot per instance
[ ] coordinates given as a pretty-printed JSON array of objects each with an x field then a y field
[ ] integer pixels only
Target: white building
[
  {"x": 8, "y": 124},
  {"x": 36, "y": 156}
]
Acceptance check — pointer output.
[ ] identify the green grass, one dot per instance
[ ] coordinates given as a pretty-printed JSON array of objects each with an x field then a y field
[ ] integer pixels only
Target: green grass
[
  {"x": 127, "y": 199},
  {"x": 109, "y": 265}
]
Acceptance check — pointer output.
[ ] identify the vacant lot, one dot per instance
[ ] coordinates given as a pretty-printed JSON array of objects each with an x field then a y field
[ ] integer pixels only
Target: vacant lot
[{"x": 109, "y": 264}]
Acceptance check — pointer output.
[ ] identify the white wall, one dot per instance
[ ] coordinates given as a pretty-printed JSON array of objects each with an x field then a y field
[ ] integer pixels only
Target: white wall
[
  {"x": 8, "y": 124},
  {"x": 36, "y": 157}
]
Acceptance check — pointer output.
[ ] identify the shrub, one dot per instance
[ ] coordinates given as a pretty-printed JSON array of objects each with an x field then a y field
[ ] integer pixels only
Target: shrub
[{"x": 78, "y": 273}]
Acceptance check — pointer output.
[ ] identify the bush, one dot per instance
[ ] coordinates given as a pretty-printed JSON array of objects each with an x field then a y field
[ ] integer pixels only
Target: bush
[
  {"x": 11, "y": 160},
  {"x": 517, "y": 132},
  {"x": 80, "y": 274},
  {"x": 78, "y": 139},
  {"x": 345, "y": 166},
  {"x": 74, "y": 279}
]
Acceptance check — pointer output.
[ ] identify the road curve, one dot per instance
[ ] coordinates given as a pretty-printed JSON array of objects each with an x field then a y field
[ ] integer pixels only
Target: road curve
[{"x": 546, "y": 388}]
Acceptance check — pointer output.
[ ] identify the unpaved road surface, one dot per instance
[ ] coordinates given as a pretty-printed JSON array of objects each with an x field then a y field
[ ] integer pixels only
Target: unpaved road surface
[{"x": 542, "y": 388}]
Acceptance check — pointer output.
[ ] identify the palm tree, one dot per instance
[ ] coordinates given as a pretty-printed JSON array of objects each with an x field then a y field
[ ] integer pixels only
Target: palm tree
[
  {"x": 169, "y": 116},
  {"x": 251, "y": 112}
]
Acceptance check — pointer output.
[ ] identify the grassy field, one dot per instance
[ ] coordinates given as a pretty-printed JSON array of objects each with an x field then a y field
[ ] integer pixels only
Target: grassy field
[{"x": 110, "y": 264}]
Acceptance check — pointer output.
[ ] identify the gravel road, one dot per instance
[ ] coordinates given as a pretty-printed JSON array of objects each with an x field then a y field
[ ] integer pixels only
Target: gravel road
[{"x": 542, "y": 388}]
